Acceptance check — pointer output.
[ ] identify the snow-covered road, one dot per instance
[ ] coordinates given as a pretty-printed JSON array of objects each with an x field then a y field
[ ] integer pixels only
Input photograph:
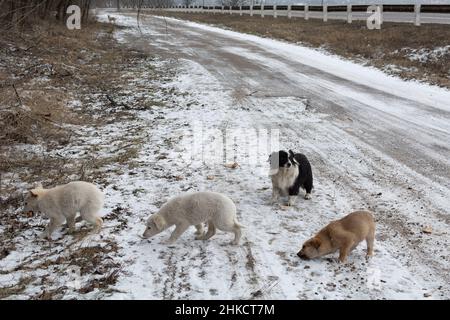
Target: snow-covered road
[{"x": 375, "y": 142}]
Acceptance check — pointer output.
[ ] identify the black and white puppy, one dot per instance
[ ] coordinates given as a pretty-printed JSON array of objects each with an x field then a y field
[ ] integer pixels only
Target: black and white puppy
[{"x": 290, "y": 172}]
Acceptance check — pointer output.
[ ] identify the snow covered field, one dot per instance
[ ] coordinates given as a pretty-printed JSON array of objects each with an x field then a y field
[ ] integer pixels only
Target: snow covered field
[{"x": 375, "y": 142}]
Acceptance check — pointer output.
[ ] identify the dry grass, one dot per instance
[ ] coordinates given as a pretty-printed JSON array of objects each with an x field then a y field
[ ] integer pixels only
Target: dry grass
[
  {"x": 44, "y": 138},
  {"x": 44, "y": 69},
  {"x": 376, "y": 47},
  {"x": 15, "y": 289}
]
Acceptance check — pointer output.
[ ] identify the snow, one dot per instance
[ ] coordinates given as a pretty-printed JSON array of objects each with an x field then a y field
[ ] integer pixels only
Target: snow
[
  {"x": 215, "y": 269},
  {"x": 425, "y": 55},
  {"x": 203, "y": 125},
  {"x": 266, "y": 266}
]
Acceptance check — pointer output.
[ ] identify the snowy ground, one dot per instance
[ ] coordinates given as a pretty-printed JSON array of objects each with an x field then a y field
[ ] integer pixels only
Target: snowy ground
[
  {"x": 351, "y": 173},
  {"x": 375, "y": 142}
]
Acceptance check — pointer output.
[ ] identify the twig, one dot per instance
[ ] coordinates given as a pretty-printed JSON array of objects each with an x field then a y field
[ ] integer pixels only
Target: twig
[
  {"x": 34, "y": 44},
  {"x": 139, "y": 15},
  {"x": 115, "y": 104},
  {"x": 166, "y": 25},
  {"x": 17, "y": 95}
]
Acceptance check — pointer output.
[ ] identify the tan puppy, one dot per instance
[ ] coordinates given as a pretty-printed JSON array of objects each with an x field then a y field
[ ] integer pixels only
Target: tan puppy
[{"x": 343, "y": 235}]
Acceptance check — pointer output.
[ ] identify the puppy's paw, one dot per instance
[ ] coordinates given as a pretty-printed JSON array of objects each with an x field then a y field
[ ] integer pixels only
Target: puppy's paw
[
  {"x": 292, "y": 200},
  {"x": 308, "y": 196},
  {"x": 290, "y": 203},
  {"x": 45, "y": 236},
  {"x": 200, "y": 237},
  {"x": 369, "y": 255}
]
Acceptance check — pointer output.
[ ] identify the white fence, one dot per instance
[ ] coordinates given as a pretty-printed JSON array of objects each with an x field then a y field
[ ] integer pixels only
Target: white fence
[{"x": 393, "y": 13}]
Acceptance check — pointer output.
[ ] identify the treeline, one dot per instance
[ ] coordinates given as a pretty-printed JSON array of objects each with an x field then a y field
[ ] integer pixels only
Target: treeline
[{"x": 15, "y": 13}]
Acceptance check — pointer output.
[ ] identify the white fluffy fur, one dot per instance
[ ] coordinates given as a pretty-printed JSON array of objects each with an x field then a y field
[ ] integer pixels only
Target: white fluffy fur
[
  {"x": 62, "y": 203},
  {"x": 281, "y": 181},
  {"x": 193, "y": 209}
]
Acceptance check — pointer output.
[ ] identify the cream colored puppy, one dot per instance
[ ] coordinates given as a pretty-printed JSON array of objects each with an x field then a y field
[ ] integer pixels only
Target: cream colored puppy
[
  {"x": 62, "y": 203},
  {"x": 193, "y": 209}
]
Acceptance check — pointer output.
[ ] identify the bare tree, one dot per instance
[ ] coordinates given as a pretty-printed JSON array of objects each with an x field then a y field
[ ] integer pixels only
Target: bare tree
[
  {"x": 16, "y": 13},
  {"x": 187, "y": 3},
  {"x": 233, "y": 3}
]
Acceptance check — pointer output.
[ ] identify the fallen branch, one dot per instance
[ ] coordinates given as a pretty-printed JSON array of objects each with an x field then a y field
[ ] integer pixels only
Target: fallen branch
[
  {"x": 116, "y": 104},
  {"x": 17, "y": 95}
]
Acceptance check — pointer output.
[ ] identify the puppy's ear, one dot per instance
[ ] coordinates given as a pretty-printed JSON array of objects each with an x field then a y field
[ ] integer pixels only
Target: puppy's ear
[
  {"x": 34, "y": 193},
  {"x": 159, "y": 221},
  {"x": 316, "y": 242},
  {"x": 291, "y": 153}
]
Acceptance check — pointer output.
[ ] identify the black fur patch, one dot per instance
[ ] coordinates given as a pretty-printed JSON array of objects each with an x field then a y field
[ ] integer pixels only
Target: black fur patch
[{"x": 305, "y": 177}]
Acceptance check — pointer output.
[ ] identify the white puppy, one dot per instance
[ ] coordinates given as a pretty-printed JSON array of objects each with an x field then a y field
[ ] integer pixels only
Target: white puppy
[
  {"x": 63, "y": 202},
  {"x": 193, "y": 209}
]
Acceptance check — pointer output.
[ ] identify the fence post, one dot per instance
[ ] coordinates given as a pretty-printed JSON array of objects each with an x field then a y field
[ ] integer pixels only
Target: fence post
[
  {"x": 231, "y": 8},
  {"x": 240, "y": 10},
  {"x": 306, "y": 12},
  {"x": 289, "y": 11},
  {"x": 325, "y": 12},
  {"x": 275, "y": 11},
  {"x": 262, "y": 11},
  {"x": 381, "y": 14},
  {"x": 349, "y": 13},
  {"x": 222, "y": 9},
  {"x": 251, "y": 11},
  {"x": 417, "y": 12}
]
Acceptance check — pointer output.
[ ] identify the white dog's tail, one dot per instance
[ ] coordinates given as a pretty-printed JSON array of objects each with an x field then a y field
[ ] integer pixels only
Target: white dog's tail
[{"x": 236, "y": 223}]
